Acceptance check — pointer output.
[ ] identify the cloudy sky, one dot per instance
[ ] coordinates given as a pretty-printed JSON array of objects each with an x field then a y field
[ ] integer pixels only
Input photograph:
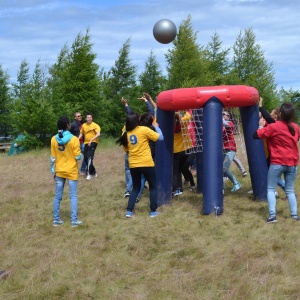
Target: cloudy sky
[{"x": 38, "y": 29}]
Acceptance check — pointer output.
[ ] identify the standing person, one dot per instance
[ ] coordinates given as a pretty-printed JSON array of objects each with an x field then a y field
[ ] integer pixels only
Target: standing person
[
  {"x": 282, "y": 137},
  {"x": 179, "y": 155},
  {"x": 65, "y": 151},
  {"x": 135, "y": 140},
  {"x": 90, "y": 131},
  {"x": 229, "y": 148},
  {"x": 75, "y": 130}
]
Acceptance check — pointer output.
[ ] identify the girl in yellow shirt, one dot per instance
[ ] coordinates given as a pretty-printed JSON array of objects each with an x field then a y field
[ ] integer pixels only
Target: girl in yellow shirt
[
  {"x": 65, "y": 151},
  {"x": 135, "y": 140}
]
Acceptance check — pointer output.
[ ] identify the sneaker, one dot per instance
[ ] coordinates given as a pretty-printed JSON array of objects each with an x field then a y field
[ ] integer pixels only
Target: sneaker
[
  {"x": 76, "y": 223},
  {"x": 192, "y": 188},
  {"x": 250, "y": 192},
  {"x": 244, "y": 174},
  {"x": 127, "y": 194},
  {"x": 154, "y": 214},
  {"x": 89, "y": 177},
  {"x": 96, "y": 175},
  {"x": 272, "y": 220},
  {"x": 57, "y": 223},
  {"x": 176, "y": 193},
  {"x": 129, "y": 214},
  {"x": 295, "y": 218},
  {"x": 137, "y": 200},
  {"x": 236, "y": 187},
  {"x": 276, "y": 194}
]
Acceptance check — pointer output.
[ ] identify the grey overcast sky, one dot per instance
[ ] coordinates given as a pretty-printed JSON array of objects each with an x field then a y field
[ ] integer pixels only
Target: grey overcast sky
[{"x": 38, "y": 29}]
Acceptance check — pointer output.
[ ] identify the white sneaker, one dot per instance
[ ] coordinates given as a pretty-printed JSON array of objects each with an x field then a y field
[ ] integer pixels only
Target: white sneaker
[
  {"x": 89, "y": 177},
  {"x": 276, "y": 194}
]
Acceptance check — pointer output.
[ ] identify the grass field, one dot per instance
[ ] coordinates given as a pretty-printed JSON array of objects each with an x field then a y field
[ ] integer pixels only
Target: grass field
[{"x": 181, "y": 254}]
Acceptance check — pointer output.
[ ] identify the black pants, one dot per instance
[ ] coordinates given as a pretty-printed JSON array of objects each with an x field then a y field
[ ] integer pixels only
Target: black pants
[
  {"x": 187, "y": 174},
  {"x": 136, "y": 175},
  {"x": 179, "y": 160},
  {"x": 89, "y": 152}
]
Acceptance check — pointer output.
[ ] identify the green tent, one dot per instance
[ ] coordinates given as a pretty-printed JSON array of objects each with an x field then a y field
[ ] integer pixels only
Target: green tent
[{"x": 16, "y": 146}]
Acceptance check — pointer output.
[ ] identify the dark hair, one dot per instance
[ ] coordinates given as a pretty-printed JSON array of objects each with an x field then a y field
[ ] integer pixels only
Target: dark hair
[
  {"x": 287, "y": 114},
  {"x": 62, "y": 124},
  {"x": 146, "y": 119},
  {"x": 132, "y": 121},
  {"x": 89, "y": 114}
]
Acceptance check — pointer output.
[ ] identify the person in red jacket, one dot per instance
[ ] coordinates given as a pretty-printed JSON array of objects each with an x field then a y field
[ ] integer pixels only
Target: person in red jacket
[
  {"x": 229, "y": 149},
  {"x": 282, "y": 137}
]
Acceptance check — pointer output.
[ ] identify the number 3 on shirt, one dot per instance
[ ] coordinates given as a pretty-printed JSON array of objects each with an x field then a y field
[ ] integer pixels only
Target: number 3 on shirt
[{"x": 133, "y": 139}]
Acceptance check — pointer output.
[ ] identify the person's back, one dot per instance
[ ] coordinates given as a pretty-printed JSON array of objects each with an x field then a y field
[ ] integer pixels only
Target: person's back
[
  {"x": 283, "y": 137},
  {"x": 283, "y": 145},
  {"x": 65, "y": 150}
]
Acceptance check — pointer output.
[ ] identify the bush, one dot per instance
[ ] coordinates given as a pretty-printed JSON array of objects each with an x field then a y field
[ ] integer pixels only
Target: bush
[{"x": 31, "y": 143}]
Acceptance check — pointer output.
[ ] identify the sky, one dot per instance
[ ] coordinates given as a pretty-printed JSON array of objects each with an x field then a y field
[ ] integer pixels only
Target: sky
[{"x": 36, "y": 30}]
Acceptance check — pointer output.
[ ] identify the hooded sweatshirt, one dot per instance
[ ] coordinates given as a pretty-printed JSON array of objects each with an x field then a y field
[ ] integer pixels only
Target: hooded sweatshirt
[{"x": 65, "y": 152}]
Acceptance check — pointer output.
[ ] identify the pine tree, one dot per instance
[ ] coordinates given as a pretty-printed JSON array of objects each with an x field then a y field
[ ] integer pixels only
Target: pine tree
[
  {"x": 5, "y": 103},
  {"x": 251, "y": 68},
  {"x": 186, "y": 64},
  {"x": 218, "y": 60},
  {"x": 120, "y": 81},
  {"x": 75, "y": 80},
  {"x": 32, "y": 110},
  {"x": 151, "y": 79}
]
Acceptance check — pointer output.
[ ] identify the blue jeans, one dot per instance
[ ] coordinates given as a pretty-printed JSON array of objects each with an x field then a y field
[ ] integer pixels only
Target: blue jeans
[
  {"x": 127, "y": 174},
  {"x": 128, "y": 178},
  {"x": 83, "y": 164},
  {"x": 274, "y": 174},
  {"x": 227, "y": 160},
  {"x": 59, "y": 189}
]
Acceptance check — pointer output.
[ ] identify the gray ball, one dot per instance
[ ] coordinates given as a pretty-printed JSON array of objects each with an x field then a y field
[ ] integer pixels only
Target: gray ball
[{"x": 164, "y": 31}]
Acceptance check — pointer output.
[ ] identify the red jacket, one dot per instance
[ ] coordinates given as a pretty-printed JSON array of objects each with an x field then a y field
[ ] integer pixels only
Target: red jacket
[
  {"x": 283, "y": 146},
  {"x": 228, "y": 137}
]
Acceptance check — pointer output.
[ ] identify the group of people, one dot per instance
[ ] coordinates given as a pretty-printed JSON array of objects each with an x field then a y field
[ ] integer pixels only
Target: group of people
[{"x": 138, "y": 138}]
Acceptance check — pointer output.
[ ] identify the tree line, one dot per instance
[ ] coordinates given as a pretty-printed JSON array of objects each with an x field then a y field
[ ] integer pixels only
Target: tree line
[{"x": 75, "y": 82}]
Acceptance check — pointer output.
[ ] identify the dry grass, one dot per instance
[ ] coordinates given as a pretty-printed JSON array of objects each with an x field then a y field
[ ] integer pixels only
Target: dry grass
[{"x": 179, "y": 255}]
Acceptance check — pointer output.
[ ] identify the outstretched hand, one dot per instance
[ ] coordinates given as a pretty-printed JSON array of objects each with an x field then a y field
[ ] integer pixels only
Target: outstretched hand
[{"x": 124, "y": 101}]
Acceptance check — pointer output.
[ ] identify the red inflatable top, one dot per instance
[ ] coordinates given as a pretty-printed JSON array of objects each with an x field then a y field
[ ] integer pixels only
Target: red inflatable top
[{"x": 193, "y": 98}]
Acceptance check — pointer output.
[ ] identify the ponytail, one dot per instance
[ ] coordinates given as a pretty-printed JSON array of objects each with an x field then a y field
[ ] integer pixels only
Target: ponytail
[
  {"x": 287, "y": 113},
  {"x": 62, "y": 124},
  {"x": 122, "y": 140}
]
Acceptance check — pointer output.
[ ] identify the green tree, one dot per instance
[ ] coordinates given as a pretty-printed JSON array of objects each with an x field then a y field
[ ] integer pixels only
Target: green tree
[
  {"x": 218, "y": 60},
  {"x": 5, "y": 102},
  {"x": 250, "y": 67},
  {"x": 291, "y": 96},
  {"x": 32, "y": 110},
  {"x": 120, "y": 81},
  {"x": 21, "y": 93},
  {"x": 56, "y": 84},
  {"x": 151, "y": 79},
  {"x": 186, "y": 63},
  {"x": 75, "y": 80}
]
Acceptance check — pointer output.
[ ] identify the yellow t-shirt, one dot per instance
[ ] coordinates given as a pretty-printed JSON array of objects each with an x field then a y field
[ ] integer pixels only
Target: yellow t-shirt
[
  {"x": 178, "y": 144},
  {"x": 65, "y": 158},
  {"x": 138, "y": 146},
  {"x": 89, "y": 131}
]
